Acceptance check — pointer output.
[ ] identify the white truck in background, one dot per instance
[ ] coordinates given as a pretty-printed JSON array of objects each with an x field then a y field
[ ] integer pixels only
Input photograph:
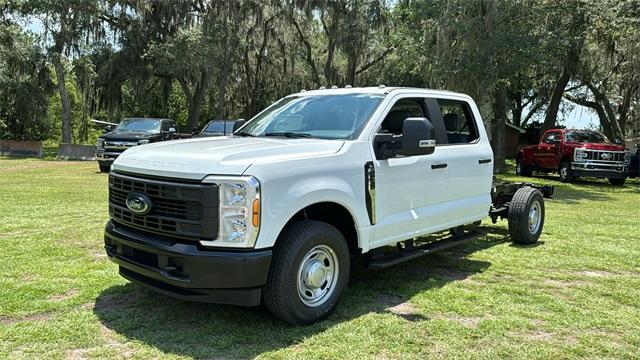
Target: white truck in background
[{"x": 275, "y": 212}]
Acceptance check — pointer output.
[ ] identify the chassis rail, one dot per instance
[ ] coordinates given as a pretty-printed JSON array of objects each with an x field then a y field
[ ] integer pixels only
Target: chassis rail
[{"x": 502, "y": 193}]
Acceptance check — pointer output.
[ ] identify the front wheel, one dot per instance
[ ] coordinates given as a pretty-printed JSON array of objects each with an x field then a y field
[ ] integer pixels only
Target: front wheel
[
  {"x": 522, "y": 169},
  {"x": 565, "y": 172},
  {"x": 617, "y": 181},
  {"x": 309, "y": 271},
  {"x": 526, "y": 216}
]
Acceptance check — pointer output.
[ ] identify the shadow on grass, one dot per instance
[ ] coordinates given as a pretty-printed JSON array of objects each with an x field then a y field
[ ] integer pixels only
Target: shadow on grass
[{"x": 208, "y": 330}]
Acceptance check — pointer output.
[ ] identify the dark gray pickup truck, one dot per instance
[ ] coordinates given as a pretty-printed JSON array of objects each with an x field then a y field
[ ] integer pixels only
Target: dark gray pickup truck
[{"x": 132, "y": 132}]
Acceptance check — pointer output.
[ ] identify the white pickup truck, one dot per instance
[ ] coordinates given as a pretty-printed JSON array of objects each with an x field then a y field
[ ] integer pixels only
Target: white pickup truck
[{"x": 275, "y": 212}]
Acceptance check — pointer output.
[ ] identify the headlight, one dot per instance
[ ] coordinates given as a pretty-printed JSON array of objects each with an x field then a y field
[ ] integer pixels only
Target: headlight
[
  {"x": 581, "y": 154},
  {"x": 100, "y": 144},
  {"x": 239, "y": 211},
  {"x": 142, "y": 142}
]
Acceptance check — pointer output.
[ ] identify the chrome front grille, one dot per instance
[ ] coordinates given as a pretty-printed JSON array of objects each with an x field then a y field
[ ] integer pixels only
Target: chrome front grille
[{"x": 604, "y": 155}]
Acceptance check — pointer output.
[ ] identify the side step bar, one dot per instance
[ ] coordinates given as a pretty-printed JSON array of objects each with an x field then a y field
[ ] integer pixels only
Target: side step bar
[{"x": 410, "y": 252}]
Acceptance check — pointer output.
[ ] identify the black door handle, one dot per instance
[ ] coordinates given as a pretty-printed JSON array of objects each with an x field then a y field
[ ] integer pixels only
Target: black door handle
[
  {"x": 438, "y": 166},
  {"x": 484, "y": 161}
]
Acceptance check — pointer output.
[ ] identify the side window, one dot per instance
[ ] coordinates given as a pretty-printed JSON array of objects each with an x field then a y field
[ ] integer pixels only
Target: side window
[
  {"x": 458, "y": 121},
  {"x": 402, "y": 109},
  {"x": 551, "y": 137}
]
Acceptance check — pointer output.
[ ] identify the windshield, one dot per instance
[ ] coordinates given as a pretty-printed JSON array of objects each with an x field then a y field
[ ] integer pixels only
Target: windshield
[
  {"x": 586, "y": 137},
  {"x": 139, "y": 125},
  {"x": 222, "y": 127},
  {"x": 319, "y": 116}
]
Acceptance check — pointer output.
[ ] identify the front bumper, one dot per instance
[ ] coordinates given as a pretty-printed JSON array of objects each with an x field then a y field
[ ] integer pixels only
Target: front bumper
[
  {"x": 187, "y": 271},
  {"x": 106, "y": 157},
  {"x": 600, "y": 170}
]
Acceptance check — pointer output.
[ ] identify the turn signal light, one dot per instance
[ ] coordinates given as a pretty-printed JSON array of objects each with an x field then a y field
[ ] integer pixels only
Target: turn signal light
[{"x": 256, "y": 212}]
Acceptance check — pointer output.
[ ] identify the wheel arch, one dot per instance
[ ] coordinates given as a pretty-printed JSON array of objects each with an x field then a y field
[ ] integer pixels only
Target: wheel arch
[{"x": 333, "y": 213}]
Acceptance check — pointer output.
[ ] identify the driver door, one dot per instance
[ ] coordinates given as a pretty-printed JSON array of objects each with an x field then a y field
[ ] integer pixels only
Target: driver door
[{"x": 410, "y": 190}]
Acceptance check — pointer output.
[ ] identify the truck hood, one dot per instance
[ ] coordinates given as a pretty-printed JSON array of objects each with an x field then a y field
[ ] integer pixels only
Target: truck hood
[
  {"x": 128, "y": 135},
  {"x": 196, "y": 158},
  {"x": 598, "y": 146}
]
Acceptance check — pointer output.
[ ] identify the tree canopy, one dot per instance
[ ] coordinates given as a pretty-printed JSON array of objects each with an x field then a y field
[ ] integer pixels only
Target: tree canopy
[{"x": 195, "y": 60}]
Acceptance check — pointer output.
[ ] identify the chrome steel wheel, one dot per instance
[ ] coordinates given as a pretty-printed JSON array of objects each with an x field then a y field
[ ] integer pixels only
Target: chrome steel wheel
[
  {"x": 564, "y": 172},
  {"x": 317, "y": 275},
  {"x": 535, "y": 217}
]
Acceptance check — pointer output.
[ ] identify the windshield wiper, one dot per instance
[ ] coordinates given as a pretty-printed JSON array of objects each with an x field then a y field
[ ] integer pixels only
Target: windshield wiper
[
  {"x": 289, "y": 134},
  {"x": 243, "y": 133}
]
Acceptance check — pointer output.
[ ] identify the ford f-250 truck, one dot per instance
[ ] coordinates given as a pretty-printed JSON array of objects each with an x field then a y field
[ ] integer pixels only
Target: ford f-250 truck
[
  {"x": 575, "y": 153},
  {"x": 132, "y": 132},
  {"x": 274, "y": 213}
]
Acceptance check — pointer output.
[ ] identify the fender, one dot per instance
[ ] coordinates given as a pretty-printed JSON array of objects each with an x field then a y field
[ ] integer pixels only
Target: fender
[{"x": 280, "y": 206}]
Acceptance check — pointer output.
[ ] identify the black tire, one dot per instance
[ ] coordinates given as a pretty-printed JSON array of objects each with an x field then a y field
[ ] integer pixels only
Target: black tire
[
  {"x": 565, "y": 172},
  {"x": 104, "y": 168},
  {"x": 521, "y": 229},
  {"x": 281, "y": 293},
  {"x": 617, "y": 181},
  {"x": 522, "y": 169}
]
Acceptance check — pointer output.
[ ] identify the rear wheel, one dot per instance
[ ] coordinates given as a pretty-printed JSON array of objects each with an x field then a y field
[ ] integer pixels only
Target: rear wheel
[
  {"x": 526, "y": 216},
  {"x": 617, "y": 181},
  {"x": 522, "y": 169},
  {"x": 565, "y": 172},
  {"x": 309, "y": 271}
]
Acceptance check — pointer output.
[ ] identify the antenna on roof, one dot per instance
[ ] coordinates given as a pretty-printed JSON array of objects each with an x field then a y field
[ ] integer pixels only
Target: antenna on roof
[
  {"x": 347, "y": 86},
  {"x": 381, "y": 86},
  {"x": 334, "y": 87},
  {"x": 303, "y": 90},
  {"x": 322, "y": 88}
]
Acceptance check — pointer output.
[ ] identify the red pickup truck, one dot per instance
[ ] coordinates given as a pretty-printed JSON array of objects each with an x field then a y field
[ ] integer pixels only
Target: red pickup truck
[{"x": 575, "y": 153}]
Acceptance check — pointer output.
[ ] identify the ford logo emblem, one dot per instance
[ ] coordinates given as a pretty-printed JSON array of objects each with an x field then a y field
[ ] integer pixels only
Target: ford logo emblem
[
  {"x": 138, "y": 203},
  {"x": 605, "y": 156}
]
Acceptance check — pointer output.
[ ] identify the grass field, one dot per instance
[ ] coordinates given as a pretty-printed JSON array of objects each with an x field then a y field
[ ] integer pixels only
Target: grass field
[{"x": 575, "y": 294}]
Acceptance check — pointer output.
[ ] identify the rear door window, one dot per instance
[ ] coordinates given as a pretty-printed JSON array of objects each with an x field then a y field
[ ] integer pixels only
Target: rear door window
[{"x": 459, "y": 122}]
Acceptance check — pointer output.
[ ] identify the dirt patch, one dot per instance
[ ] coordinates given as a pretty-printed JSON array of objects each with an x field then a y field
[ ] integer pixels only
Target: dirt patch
[
  {"x": 546, "y": 336},
  {"x": 64, "y": 296},
  {"x": 10, "y": 320},
  {"x": 565, "y": 283},
  {"x": 120, "y": 348},
  {"x": 466, "y": 321}
]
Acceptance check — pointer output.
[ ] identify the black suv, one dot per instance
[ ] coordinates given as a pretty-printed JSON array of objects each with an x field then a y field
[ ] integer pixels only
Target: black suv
[{"x": 132, "y": 132}]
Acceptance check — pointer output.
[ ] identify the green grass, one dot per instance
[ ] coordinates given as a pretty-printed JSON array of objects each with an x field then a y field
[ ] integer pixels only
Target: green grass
[{"x": 575, "y": 294}]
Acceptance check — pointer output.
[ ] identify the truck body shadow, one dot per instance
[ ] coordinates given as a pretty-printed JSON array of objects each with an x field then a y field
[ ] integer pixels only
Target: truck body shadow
[{"x": 208, "y": 330}]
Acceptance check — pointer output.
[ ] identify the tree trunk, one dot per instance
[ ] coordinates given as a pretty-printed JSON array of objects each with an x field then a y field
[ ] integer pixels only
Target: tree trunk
[
  {"x": 64, "y": 98},
  {"x": 568, "y": 70},
  {"x": 498, "y": 128},
  {"x": 556, "y": 98},
  {"x": 195, "y": 107}
]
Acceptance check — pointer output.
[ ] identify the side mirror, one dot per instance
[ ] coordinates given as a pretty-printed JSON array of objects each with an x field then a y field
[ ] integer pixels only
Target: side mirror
[
  {"x": 556, "y": 142},
  {"x": 108, "y": 128},
  {"x": 194, "y": 131},
  {"x": 417, "y": 137},
  {"x": 172, "y": 130},
  {"x": 238, "y": 124},
  {"x": 617, "y": 141}
]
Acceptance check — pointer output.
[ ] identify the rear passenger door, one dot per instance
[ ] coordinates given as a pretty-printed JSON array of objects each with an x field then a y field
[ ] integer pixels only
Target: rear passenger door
[{"x": 470, "y": 162}]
